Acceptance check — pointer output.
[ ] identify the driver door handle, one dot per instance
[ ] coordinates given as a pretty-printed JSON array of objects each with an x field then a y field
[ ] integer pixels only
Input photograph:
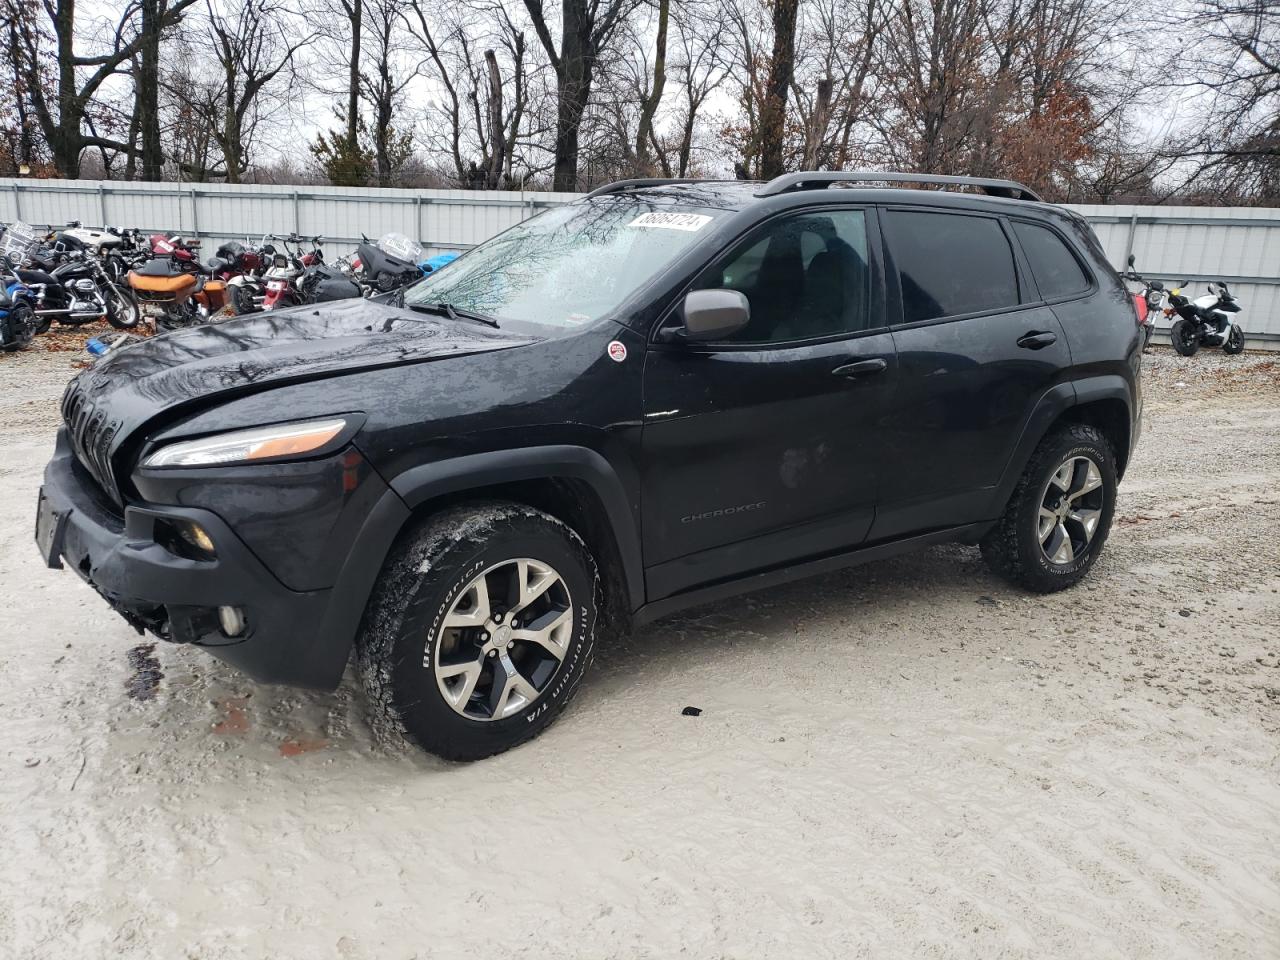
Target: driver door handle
[
  {"x": 852, "y": 371},
  {"x": 1037, "y": 340}
]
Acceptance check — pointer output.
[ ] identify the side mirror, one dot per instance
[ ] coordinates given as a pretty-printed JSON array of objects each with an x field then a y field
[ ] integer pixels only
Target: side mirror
[
  {"x": 1131, "y": 260},
  {"x": 714, "y": 314}
]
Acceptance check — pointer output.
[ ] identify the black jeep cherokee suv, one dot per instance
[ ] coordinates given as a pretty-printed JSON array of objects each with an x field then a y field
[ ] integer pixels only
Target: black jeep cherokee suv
[{"x": 662, "y": 394}]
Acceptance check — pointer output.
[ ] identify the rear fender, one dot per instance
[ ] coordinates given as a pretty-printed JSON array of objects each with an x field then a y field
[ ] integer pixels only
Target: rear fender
[{"x": 1052, "y": 406}]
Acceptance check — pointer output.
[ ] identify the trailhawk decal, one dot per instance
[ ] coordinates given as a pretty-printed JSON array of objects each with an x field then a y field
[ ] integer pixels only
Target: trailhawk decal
[
  {"x": 617, "y": 351},
  {"x": 688, "y": 222}
]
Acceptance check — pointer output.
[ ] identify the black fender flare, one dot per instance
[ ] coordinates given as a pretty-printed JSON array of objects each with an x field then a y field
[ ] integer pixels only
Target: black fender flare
[
  {"x": 417, "y": 485},
  {"x": 1056, "y": 401}
]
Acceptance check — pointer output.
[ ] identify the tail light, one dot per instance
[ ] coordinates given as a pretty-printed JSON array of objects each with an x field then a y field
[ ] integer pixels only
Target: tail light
[{"x": 1140, "y": 308}]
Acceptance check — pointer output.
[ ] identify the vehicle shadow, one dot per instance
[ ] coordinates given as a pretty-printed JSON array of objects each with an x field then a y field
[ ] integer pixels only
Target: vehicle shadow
[
  {"x": 886, "y": 591},
  {"x": 212, "y": 708}
]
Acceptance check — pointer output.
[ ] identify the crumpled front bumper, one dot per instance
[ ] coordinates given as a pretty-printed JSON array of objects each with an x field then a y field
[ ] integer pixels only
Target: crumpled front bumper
[{"x": 175, "y": 597}]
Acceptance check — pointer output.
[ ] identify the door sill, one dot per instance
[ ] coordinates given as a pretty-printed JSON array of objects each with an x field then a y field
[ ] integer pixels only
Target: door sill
[{"x": 969, "y": 533}]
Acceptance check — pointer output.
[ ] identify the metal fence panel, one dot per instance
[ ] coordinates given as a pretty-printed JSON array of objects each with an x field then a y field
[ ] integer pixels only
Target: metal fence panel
[{"x": 1237, "y": 244}]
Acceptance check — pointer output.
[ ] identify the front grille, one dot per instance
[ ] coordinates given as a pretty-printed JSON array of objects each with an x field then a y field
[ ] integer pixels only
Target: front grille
[{"x": 91, "y": 433}]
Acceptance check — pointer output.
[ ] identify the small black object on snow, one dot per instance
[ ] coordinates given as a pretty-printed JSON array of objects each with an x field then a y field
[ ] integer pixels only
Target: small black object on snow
[{"x": 691, "y": 712}]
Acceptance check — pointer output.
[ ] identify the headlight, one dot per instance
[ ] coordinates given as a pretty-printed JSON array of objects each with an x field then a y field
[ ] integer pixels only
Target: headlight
[{"x": 243, "y": 446}]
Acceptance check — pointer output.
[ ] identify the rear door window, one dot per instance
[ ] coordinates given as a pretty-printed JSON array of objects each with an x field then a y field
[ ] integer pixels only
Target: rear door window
[
  {"x": 1058, "y": 273},
  {"x": 950, "y": 264}
]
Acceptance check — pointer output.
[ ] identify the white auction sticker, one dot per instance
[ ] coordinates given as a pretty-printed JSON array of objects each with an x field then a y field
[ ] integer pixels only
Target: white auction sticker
[
  {"x": 671, "y": 221},
  {"x": 617, "y": 350}
]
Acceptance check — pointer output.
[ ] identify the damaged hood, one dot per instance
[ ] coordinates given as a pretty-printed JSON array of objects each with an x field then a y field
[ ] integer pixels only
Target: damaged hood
[{"x": 129, "y": 386}]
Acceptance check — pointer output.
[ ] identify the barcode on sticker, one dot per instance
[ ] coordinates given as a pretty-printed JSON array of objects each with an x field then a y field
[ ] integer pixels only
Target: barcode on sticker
[{"x": 671, "y": 221}]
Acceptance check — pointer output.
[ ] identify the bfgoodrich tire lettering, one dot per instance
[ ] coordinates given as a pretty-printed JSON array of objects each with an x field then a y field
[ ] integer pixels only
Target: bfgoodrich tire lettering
[
  {"x": 1014, "y": 547},
  {"x": 430, "y": 577}
]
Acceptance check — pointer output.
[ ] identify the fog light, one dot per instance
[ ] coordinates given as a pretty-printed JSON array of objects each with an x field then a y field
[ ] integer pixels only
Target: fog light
[
  {"x": 198, "y": 537},
  {"x": 232, "y": 621}
]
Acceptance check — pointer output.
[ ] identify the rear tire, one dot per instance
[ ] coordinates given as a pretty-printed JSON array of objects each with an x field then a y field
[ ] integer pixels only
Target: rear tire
[
  {"x": 241, "y": 299},
  {"x": 437, "y": 665},
  {"x": 1059, "y": 515},
  {"x": 1185, "y": 338}
]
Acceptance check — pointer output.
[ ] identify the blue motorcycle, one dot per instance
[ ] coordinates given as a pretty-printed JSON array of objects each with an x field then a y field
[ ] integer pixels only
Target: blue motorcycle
[{"x": 18, "y": 322}]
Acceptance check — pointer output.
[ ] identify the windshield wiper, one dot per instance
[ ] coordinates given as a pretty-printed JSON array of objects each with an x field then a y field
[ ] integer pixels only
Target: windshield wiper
[{"x": 454, "y": 313}]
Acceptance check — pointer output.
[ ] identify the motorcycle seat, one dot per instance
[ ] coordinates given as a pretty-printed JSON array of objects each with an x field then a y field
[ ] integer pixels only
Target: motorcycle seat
[
  {"x": 35, "y": 276},
  {"x": 214, "y": 264}
]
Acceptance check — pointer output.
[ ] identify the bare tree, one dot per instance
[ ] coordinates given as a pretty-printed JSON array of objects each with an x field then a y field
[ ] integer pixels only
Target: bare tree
[
  {"x": 701, "y": 65},
  {"x": 586, "y": 29},
  {"x": 840, "y": 42},
  {"x": 61, "y": 112},
  {"x": 1232, "y": 61},
  {"x": 252, "y": 43},
  {"x": 383, "y": 86},
  {"x": 651, "y": 98}
]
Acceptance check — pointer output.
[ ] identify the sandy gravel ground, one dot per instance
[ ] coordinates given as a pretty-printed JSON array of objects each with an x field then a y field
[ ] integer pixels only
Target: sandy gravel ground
[{"x": 906, "y": 760}]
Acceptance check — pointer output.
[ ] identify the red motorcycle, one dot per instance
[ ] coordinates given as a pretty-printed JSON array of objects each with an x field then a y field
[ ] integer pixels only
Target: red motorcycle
[
  {"x": 241, "y": 267},
  {"x": 179, "y": 249},
  {"x": 286, "y": 268}
]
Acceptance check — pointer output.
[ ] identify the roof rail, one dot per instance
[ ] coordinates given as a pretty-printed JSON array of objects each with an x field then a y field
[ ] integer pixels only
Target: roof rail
[
  {"x": 817, "y": 179},
  {"x": 639, "y": 184}
]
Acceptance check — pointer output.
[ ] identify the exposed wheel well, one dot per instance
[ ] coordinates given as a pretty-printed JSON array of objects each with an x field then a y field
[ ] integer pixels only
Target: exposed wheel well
[
  {"x": 575, "y": 503},
  {"x": 1111, "y": 417}
]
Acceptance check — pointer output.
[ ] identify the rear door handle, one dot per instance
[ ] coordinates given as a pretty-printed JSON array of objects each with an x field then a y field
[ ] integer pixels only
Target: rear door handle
[
  {"x": 1037, "y": 340},
  {"x": 863, "y": 368}
]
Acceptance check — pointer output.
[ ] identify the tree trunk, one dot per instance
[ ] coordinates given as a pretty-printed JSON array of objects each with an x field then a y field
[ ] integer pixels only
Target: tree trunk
[
  {"x": 773, "y": 112},
  {"x": 135, "y": 131},
  {"x": 649, "y": 104},
  {"x": 355, "y": 13},
  {"x": 65, "y": 143},
  {"x": 147, "y": 93},
  {"x": 817, "y": 133},
  {"x": 574, "y": 90},
  {"x": 231, "y": 146},
  {"x": 497, "y": 131}
]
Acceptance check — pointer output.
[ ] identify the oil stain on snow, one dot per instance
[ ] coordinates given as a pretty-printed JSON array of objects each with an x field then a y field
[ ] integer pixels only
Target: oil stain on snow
[{"x": 145, "y": 679}]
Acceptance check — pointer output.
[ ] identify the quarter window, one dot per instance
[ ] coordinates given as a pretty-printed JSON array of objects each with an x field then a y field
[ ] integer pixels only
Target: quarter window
[
  {"x": 1058, "y": 273},
  {"x": 805, "y": 277},
  {"x": 950, "y": 264}
]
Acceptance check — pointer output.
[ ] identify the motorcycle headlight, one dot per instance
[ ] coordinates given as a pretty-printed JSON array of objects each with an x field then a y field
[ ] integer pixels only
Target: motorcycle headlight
[{"x": 246, "y": 446}]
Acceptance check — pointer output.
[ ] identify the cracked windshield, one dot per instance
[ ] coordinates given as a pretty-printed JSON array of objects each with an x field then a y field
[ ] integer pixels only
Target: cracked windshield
[{"x": 569, "y": 266}]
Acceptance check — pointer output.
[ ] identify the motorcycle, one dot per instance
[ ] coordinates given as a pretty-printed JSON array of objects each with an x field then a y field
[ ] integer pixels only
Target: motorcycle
[
  {"x": 18, "y": 322},
  {"x": 173, "y": 296},
  {"x": 389, "y": 264},
  {"x": 1209, "y": 321},
  {"x": 325, "y": 282},
  {"x": 1148, "y": 302},
  {"x": 177, "y": 248},
  {"x": 240, "y": 266},
  {"x": 69, "y": 284},
  {"x": 287, "y": 268}
]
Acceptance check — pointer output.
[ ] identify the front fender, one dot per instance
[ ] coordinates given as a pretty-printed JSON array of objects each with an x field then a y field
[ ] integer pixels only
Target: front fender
[{"x": 420, "y": 484}]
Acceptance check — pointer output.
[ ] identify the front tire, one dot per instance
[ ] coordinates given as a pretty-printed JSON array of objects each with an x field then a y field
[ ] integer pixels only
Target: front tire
[
  {"x": 479, "y": 630},
  {"x": 1235, "y": 341},
  {"x": 1059, "y": 515},
  {"x": 1185, "y": 338},
  {"x": 122, "y": 311}
]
